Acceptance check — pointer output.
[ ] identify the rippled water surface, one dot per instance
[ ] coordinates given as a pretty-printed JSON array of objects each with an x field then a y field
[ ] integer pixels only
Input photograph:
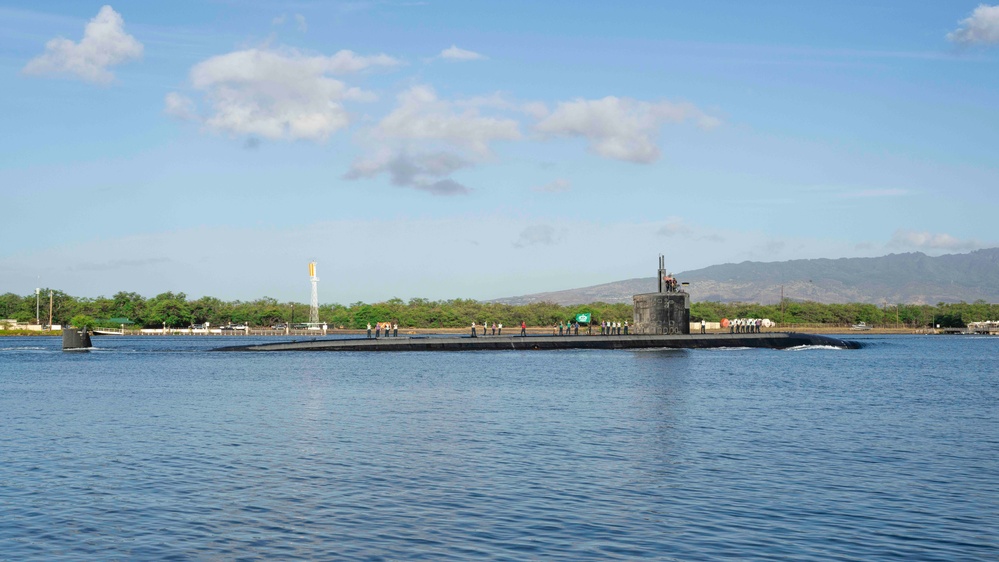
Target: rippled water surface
[{"x": 155, "y": 448}]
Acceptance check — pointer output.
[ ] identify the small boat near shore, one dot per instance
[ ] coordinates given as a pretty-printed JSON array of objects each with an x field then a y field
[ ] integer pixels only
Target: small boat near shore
[{"x": 860, "y": 327}]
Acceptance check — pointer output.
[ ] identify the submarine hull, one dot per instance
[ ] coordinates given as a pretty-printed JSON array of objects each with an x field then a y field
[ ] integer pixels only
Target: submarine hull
[{"x": 774, "y": 340}]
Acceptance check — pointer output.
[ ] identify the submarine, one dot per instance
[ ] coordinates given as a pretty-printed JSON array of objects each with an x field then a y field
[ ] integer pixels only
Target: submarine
[{"x": 661, "y": 320}]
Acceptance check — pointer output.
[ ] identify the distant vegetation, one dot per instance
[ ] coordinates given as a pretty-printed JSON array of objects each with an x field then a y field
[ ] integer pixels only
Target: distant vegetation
[
  {"x": 947, "y": 315},
  {"x": 177, "y": 311}
]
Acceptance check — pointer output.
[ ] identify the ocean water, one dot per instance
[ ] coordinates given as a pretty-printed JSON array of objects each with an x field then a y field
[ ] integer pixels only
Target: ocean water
[{"x": 159, "y": 449}]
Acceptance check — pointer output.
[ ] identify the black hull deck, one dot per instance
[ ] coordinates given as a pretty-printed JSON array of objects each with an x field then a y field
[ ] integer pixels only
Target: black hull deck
[{"x": 773, "y": 340}]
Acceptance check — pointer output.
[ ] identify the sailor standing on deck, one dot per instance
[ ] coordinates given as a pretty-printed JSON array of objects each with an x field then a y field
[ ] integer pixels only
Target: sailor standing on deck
[
  {"x": 473, "y": 329},
  {"x": 369, "y": 330}
]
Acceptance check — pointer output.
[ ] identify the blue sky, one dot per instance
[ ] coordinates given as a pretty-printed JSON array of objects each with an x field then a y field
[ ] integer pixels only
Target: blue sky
[{"x": 481, "y": 150}]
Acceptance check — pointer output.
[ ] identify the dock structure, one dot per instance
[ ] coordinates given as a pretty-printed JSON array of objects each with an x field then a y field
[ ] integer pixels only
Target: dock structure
[
  {"x": 988, "y": 327},
  {"x": 769, "y": 340}
]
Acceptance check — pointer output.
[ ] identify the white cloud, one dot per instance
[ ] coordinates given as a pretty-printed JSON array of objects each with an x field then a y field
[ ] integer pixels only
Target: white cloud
[
  {"x": 104, "y": 44},
  {"x": 674, "y": 227},
  {"x": 180, "y": 106},
  {"x": 345, "y": 61},
  {"x": 496, "y": 100},
  {"x": 981, "y": 28},
  {"x": 421, "y": 116},
  {"x": 299, "y": 21},
  {"x": 280, "y": 94},
  {"x": 453, "y": 53},
  {"x": 500, "y": 101},
  {"x": 560, "y": 185},
  {"x": 425, "y": 171},
  {"x": 359, "y": 95},
  {"x": 620, "y": 128},
  {"x": 535, "y": 109},
  {"x": 908, "y": 239},
  {"x": 425, "y": 139},
  {"x": 538, "y": 234}
]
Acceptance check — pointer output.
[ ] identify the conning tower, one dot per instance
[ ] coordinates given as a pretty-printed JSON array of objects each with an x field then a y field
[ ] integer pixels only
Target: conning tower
[{"x": 664, "y": 312}]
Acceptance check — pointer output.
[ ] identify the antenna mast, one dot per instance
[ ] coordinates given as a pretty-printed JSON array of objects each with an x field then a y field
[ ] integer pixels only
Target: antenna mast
[{"x": 662, "y": 273}]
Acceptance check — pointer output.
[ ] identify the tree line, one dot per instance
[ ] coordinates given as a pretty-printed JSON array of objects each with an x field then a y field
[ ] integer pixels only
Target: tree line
[{"x": 175, "y": 310}]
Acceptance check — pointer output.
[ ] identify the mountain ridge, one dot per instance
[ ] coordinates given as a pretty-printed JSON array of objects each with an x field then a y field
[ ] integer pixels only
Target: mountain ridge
[{"x": 909, "y": 278}]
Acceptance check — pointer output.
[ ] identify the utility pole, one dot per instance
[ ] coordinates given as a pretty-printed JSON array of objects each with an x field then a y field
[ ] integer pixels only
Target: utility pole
[
  {"x": 782, "y": 306},
  {"x": 38, "y": 291},
  {"x": 50, "y": 310}
]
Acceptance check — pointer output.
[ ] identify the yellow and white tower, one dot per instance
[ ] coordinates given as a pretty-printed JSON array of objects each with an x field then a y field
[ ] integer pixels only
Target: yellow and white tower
[{"x": 314, "y": 309}]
